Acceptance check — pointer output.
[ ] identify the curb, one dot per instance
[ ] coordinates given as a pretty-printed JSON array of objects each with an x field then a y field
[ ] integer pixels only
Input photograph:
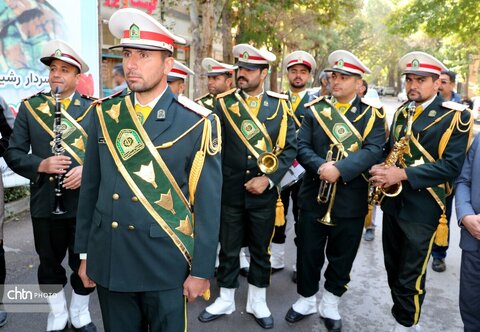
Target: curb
[{"x": 16, "y": 207}]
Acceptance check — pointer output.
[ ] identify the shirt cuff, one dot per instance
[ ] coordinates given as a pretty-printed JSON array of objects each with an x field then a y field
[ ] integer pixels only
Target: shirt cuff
[
  {"x": 271, "y": 184},
  {"x": 83, "y": 256}
]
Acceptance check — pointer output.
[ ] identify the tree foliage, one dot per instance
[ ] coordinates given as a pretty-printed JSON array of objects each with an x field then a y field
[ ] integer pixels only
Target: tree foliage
[{"x": 439, "y": 18}]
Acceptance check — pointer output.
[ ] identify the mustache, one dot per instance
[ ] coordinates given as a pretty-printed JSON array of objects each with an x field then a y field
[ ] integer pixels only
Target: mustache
[{"x": 241, "y": 78}]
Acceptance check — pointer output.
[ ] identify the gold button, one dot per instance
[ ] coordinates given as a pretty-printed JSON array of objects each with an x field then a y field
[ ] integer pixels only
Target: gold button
[
  {"x": 249, "y": 157},
  {"x": 51, "y": 179},
  {"x": 115, "y": 196},
  {"x": 131, "y": 227},
  {"x": 134, "y": 199},
  {"x": 248, "y": 171},
  {"x": 114, "y": 224}
]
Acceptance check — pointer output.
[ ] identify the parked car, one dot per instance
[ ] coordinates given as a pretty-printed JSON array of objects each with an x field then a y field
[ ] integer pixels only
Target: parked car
[
  {"x": 402, "y": 96},
  {"x": 388, "y": 90}
]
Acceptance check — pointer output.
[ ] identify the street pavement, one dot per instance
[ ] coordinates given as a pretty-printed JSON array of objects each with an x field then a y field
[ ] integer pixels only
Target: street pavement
[{"x": 365, "y": 307}]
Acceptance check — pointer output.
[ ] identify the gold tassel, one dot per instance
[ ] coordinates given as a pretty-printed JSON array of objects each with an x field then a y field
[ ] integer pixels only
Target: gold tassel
[
  {"x": 206, "y": 295},
  {"x": 368, "y": 217},
  {"x": 441, "y": 236},
  {"x": 279, "y": 213}
]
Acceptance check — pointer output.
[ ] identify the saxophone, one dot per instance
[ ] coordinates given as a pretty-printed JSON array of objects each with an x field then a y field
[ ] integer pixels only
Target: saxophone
[{"x": 395, "y": 158}]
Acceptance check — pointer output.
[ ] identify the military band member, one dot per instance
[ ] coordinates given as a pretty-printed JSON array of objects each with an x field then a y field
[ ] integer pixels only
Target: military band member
[
  {"x": 355, "y": 126},
  {"x": 30, "y": 155},
  {"x": 415, "y": 218},
  {"x": 220, "y": 79},
  {"x": 148, "y": 220},
  {"x": 300, "y": 67},
  {"x": 257, "y": 129},
  {"x": 177, "y": 76}
]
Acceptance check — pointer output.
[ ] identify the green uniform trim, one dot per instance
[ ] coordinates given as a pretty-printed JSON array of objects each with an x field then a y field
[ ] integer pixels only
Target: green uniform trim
[
  {"x": 74, "y": 137},
  {"x": 146, "y": 173},
  {"x": 248, "y": 128},
  {"x": 337, "y": 127}
]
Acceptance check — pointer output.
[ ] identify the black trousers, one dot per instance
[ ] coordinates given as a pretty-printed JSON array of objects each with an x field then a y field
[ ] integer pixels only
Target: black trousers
[
  {"x": 338, "y": 243},
  {"x": 53, "y": 239},
  {"x": 406, "y": 249},
  {"x": 470, "y": 290},
  {"x": 257, "y": 226},
  {"x": 155, "y": 311},
  {"x": 279, "y": 235}
]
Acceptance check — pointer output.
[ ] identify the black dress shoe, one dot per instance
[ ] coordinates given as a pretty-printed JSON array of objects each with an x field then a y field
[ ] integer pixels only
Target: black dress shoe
[
  {"x": 265, "y": 322},
  {"x": 294, "y": 277},
  {"x": 275, "y": 270},
  {"x": 206, "y": 317},
  {"x": 332, "y": 325},
  {"x": 3, "y": 317},
  {"x": 292, "y": 316},
  {"x": 244, "y": 272},
  {"x": 90, "y": 327},
  {"x": 438, "y": 265}
]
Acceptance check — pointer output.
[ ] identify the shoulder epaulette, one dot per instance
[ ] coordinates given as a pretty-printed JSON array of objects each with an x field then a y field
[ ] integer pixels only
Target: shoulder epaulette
[
  {"x": 205, "y": 95},
  {"x": 34, "y": 95},
  {"x": 454, "y": 106},
  {"x": 101, "y": 100},
  {"x": 277, "y": 95},
  {"x": 226, "y": 93},
  {"x": 193, "y": 106},
  {"x": 314, "y": 101},
  {"x": 88, "y": 97},
  {"x": 375, "y": 103}
]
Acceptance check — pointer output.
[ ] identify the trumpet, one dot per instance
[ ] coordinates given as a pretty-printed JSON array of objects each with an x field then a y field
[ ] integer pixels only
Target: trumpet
[
  {"x": 267, "y": 162},
  {"x": 395, "y": 158},
  {"x": 327, "y": 191}
]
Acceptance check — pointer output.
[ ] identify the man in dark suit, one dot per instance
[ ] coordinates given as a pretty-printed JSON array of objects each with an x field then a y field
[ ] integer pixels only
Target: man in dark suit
[
  {"x": 256, "y": 127},
  {"x": 300, "y": 67},
  {"x": 467, "y": 201},
  {"x": 54, "y": 233},
  {"x": 149, "y": 216},
  {"x": 432, "y": 157},
  {"x": 334, "y": 223}
]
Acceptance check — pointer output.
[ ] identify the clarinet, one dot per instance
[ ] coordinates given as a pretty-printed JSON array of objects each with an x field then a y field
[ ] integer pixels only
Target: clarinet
[{"x": 58, "y": 150}]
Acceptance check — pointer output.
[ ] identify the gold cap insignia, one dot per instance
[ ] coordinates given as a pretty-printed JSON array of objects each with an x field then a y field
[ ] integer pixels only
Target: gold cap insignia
[
  {"x": 58, "y": 53},
  {"x": 134, "y": 32},
  {"x": 415, "y": 64}
]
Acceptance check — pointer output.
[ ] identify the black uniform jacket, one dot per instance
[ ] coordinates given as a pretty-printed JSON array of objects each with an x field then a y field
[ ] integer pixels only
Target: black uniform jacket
[
  {"x": 28, "y": 134},
  {"x": 352, "y": 188}
]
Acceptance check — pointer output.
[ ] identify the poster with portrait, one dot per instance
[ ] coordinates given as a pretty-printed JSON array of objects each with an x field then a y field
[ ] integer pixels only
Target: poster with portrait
[{"x": 25, "y": 26}]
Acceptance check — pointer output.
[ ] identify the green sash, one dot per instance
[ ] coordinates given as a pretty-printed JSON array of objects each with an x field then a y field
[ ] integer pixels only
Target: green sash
[
  {"x": 337, "y": 127},
  {"x": 74, "y": 137},
  {"x": 146, "y": 173},
  {"x": 418, "y": 156},
  {"x": 248, "y": 128}
]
